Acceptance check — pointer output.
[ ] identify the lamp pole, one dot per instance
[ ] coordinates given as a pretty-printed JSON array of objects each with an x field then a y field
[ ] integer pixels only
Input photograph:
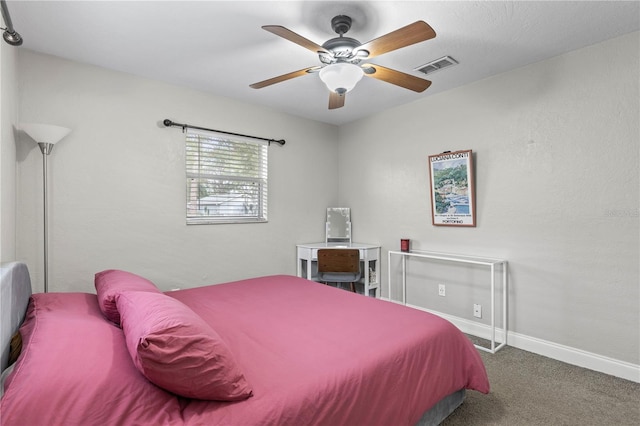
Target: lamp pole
[
  {"x": 46, "y": 149},
  {"x": 45, "y": 135}
]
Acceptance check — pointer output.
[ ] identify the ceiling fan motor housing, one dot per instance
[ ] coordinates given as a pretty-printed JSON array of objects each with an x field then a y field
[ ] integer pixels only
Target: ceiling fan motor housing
[{"x": 343, "y": 49}]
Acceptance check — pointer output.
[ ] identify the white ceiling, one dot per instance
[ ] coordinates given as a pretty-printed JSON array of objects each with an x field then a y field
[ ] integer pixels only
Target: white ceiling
[{"x": 219, "y": 46}]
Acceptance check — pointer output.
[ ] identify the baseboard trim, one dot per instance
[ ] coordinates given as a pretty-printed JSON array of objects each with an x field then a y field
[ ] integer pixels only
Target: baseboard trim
[{"x": 552, "y": 350}]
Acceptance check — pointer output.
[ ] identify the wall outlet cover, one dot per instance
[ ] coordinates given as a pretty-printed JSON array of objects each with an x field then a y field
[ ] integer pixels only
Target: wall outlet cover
[{"x": 477, "y": 310}]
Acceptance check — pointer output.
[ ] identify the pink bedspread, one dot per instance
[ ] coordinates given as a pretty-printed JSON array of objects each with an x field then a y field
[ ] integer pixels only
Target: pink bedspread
[
  {"x": 317, "y": 355},
  {"x": 312, "y": 354}
]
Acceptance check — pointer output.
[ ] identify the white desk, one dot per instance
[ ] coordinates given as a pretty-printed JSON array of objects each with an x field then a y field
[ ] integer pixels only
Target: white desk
[
  {"x": 491, "y": 263},
  {"x": 307, "y": 260}
]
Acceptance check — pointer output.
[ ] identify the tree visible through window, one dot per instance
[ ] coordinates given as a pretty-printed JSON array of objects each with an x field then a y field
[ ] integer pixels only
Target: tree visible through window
[{"x": 226, "y": 179}]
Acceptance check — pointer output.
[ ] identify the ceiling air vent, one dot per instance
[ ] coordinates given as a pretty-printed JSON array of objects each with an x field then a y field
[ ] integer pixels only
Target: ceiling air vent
[{"x": 436, "y": 65}]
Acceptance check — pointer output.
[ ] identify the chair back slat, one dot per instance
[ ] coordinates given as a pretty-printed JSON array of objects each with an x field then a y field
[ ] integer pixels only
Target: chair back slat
[{"x": 339, "y": 260}]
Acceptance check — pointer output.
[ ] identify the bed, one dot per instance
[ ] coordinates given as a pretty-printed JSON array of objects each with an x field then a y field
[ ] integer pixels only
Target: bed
[{"x": 274, "y": 350}]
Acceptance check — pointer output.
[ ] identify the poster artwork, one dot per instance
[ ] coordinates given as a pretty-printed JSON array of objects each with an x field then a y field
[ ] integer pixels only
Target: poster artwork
[{"x": 452, "y": 189}]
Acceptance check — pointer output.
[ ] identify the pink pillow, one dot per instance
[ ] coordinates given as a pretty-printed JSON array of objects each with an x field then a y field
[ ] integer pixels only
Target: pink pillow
[
  {"x": 111, "y": 282},
  {"x": 177, "y": 350}
]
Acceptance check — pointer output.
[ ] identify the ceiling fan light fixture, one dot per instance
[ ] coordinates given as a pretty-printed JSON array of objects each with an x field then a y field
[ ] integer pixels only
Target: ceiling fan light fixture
[{"x": 341, "y": 77}]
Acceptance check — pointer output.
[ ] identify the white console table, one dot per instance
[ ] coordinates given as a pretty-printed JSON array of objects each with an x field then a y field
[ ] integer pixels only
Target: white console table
[
  {"x": 491, "y": 263},
  {"x": 307, "y": 259}
]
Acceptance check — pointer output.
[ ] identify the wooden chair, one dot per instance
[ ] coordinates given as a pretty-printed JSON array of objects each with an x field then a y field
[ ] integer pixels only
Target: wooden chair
[{"x": 339, "y": 266}]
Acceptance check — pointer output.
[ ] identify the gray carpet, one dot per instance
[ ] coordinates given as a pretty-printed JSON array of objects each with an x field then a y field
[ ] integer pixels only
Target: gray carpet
[{"x": 529, "y": 389}]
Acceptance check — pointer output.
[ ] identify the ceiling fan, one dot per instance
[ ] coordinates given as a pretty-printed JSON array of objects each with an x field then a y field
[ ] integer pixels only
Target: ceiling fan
[{"x": 341, "y": 58}]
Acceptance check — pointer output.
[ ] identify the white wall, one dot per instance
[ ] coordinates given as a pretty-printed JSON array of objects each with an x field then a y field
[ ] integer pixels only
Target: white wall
[
  {"x": 8, "y": 113},
  {"x": 117, "y": 183},
  {"x": 556, "y": 148}
]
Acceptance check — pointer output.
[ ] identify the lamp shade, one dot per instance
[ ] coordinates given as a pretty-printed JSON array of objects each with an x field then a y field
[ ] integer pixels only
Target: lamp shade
[
  {"x": 341, "y": 77},
  {"x": 45, "y": 133}
]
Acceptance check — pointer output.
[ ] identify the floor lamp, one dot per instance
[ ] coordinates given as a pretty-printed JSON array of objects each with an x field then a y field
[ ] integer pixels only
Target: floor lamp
[{"x": 46, "y": 135}]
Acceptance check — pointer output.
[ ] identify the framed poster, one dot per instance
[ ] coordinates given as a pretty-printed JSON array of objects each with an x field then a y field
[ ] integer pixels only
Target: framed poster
[{"x": 452, "y": 189}]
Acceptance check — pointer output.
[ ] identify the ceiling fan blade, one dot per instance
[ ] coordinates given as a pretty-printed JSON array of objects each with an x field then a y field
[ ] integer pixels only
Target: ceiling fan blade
[
  {"x": 398, "y": 78},
  {"x": 405, "y": 36},
  {"x": 336, "y": 100},
  {"x": 284, "y": 77},
  {"x": 295, "y": 38}
]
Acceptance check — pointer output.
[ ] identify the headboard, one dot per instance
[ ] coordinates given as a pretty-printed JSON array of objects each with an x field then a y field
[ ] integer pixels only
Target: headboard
[{"x": 15, "y": 290}]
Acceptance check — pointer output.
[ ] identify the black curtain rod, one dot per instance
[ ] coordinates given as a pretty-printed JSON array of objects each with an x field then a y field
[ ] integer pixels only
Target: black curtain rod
[{"x": 169, "y": 123}]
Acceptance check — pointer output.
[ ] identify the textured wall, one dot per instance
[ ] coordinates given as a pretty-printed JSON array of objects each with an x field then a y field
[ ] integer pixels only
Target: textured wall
[
  {"x": 556, "y": 148},
  {"x": 8, "y": 114},
  {"x": 117, "y": 182}
]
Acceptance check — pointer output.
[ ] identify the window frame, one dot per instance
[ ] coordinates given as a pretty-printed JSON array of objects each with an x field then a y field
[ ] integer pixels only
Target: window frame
[{"x": 235, "y": 149}]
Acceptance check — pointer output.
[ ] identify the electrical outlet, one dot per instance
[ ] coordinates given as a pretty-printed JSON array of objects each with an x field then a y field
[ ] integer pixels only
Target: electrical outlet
[
  {"x": 441, "y": 290},
  {"x": 477, "y": 310}
]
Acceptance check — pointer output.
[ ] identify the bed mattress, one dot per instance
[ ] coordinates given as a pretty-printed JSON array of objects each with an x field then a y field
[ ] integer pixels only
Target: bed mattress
[{"x": 313, "y": 355}]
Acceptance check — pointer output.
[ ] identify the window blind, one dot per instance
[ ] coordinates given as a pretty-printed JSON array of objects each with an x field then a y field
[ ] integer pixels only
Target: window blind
[{"x": 226, "y": 178}]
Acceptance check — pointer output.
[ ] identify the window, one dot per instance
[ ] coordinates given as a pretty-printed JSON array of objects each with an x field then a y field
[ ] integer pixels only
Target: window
[{"x": 226, "y": 178}]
